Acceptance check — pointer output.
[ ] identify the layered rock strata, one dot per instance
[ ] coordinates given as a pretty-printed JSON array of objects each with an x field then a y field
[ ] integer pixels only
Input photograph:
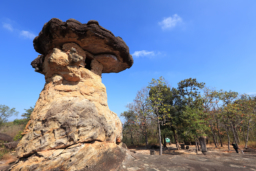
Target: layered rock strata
[{"x": 71, "y": 127}]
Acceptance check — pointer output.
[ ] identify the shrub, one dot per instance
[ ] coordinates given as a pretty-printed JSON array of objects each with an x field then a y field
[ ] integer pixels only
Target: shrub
[
  {"x": 18, "y": 136},
  {"x": 20, "y": 121}
]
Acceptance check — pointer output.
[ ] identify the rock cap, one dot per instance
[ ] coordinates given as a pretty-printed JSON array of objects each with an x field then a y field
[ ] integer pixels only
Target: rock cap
[{"x": 112, "y": 52}]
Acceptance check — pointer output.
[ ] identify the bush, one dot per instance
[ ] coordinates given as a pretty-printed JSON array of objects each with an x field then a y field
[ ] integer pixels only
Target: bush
[
  {"x": 20, "y": 121},
  {"x": 18, "y": 136}
]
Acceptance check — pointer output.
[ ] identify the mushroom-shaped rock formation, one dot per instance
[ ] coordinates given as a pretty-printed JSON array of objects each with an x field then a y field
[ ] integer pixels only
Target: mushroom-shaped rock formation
[
  {"x": 71, "y": 127},
  {"x": 97, "y": 42}
]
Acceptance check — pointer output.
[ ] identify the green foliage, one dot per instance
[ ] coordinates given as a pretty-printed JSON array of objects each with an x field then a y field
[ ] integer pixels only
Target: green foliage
[
  {"x": 18, "y": 136},
  {"x": 160, "y": 97},
  {"x": 189, "y": 108},
  {"x": 188, "y": 92},
  {"x": 27, "y": 114},
  {"x": 193, "y": 119},
  {"x": 183, "y": 114},
  {"x": 20, "y": 122},
  {"x": 6, "y": 112},
  {"x": 129, "y": 116},
  {"x": 228, "y": 96}
]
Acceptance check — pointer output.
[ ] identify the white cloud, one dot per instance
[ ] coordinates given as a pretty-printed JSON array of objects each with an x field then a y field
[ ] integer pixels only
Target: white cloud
[
  {"x": 143, "y": 53},
  {"x": 170, "y": 22},
  {"x": 27, "y": 34},
  {"x": 8, "y": 26}
]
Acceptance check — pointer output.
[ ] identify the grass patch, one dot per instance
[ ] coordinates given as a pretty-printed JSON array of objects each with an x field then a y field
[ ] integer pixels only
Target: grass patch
[
  {"x": 4, "y": 153},
  {"x": 11, "y": 129},
  {"x": 251, "y": 144}
]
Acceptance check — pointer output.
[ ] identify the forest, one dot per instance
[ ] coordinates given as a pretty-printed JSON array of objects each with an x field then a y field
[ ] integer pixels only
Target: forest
[
  {"x": 183, "y": 114},
  {"x": 188, "y": 112}
]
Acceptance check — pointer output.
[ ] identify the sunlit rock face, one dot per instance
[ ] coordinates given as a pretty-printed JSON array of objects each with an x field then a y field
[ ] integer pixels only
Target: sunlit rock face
[{"x": 71, "y": 127}]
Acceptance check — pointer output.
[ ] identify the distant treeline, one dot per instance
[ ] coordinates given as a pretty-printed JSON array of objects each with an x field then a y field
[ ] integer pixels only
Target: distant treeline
[
  {"x": 188, "y": 112},
  {"x": 16, "y": 127}
]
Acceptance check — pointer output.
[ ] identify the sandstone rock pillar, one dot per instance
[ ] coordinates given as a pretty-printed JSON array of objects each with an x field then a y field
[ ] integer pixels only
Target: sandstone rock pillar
[{"x": 71, "y": 127}]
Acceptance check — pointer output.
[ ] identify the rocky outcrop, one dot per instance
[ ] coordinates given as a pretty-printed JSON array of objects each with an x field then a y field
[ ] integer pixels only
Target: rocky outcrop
[
  {"x": 11, "y": 145},
  {"x": 110, "y": 51},
  {"x": 5, "y": 138},
  {"x": 71, "y": 127},
  {"x": 82, "y": 156}
]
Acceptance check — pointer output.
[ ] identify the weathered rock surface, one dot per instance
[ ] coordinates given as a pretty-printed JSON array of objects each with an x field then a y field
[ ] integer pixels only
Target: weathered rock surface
[
  {"x": 71, "y": 127},
  {"x": 72, "y": 108},
  {"x": 110, "y": 51},
  {"x": 192, "y": 162},
  {"x": 11, "y": 145},
  {"x": 82, "y": 156}
]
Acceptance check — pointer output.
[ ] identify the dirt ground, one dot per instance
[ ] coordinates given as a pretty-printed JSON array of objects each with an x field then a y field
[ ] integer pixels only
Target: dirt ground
[
  {"x": 139, "y": 159},
  {"x": 187, "y": 160}
]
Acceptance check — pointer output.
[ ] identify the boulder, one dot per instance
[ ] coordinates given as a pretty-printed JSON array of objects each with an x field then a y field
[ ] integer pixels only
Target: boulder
[
  {"x": 90, "y": 156},
  {"x": 98, "y": 42},
  {"x": 71, "y": 126},
  {"x": 5, "y": 138},
  {"x": 11, "y": 145}
]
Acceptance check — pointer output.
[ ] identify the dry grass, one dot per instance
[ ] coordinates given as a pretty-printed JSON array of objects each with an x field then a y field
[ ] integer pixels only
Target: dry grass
[
  {"x": 11, "y": 129},
  {"x": 252, "y": 144},
  {"x": 7, "y": 156},
  {"x": 4, "y": 152}
]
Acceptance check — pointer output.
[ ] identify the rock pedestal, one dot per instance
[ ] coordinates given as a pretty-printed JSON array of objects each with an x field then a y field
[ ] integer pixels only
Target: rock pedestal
[{"x": 71, "y": 127}]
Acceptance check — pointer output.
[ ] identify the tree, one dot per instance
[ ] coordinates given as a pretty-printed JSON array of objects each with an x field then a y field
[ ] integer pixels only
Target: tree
[
  {"x": 6, "y": 112},
  {"x": 194, "y": 123},
  {"x": 247, "y": 106},
  {"x": 141, "y": 109},
  {"x": 212, "y": 110},
  {"x": 188, "y": 92},
  {"x": 228, "y": 112},
  {"x": 190, "y": 107},
  {"x": 156, "y": 98},
  {"x": 129, "y": 125},
  {"x": 27, "y": 114},
  {"x": 176, "y": 108},
  {"x": 26, "y": 117}
]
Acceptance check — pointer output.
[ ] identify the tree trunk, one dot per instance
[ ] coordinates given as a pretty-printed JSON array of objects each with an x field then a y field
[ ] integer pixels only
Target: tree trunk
[
  {"x": 146, "y": 138},
  {"x": 234, "y": 134},
  {"x": 196, "y": 146},
  {"x": 219, "y": 133},
  {"x": 244, "y": 134},
  {"x": 159, "y": 136},
  {"x": 175, "y": 137},
  {"x": 247, "y": 136},
  {"x": 228, "y": 137},
  {"x": 213, "y": 136},
  {"x": 237, "y": 137},
  {"x": 132, "y": 138},
  {"x": 164, "y": 141},
  {"x": 221, "y": 144}
]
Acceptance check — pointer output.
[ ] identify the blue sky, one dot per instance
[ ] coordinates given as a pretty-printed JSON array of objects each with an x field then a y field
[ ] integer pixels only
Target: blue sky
[{"x": 212, "y": 41}]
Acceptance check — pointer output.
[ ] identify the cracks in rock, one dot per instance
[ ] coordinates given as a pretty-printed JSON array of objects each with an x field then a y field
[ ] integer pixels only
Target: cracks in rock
[{"x": 88, "y": 62}]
